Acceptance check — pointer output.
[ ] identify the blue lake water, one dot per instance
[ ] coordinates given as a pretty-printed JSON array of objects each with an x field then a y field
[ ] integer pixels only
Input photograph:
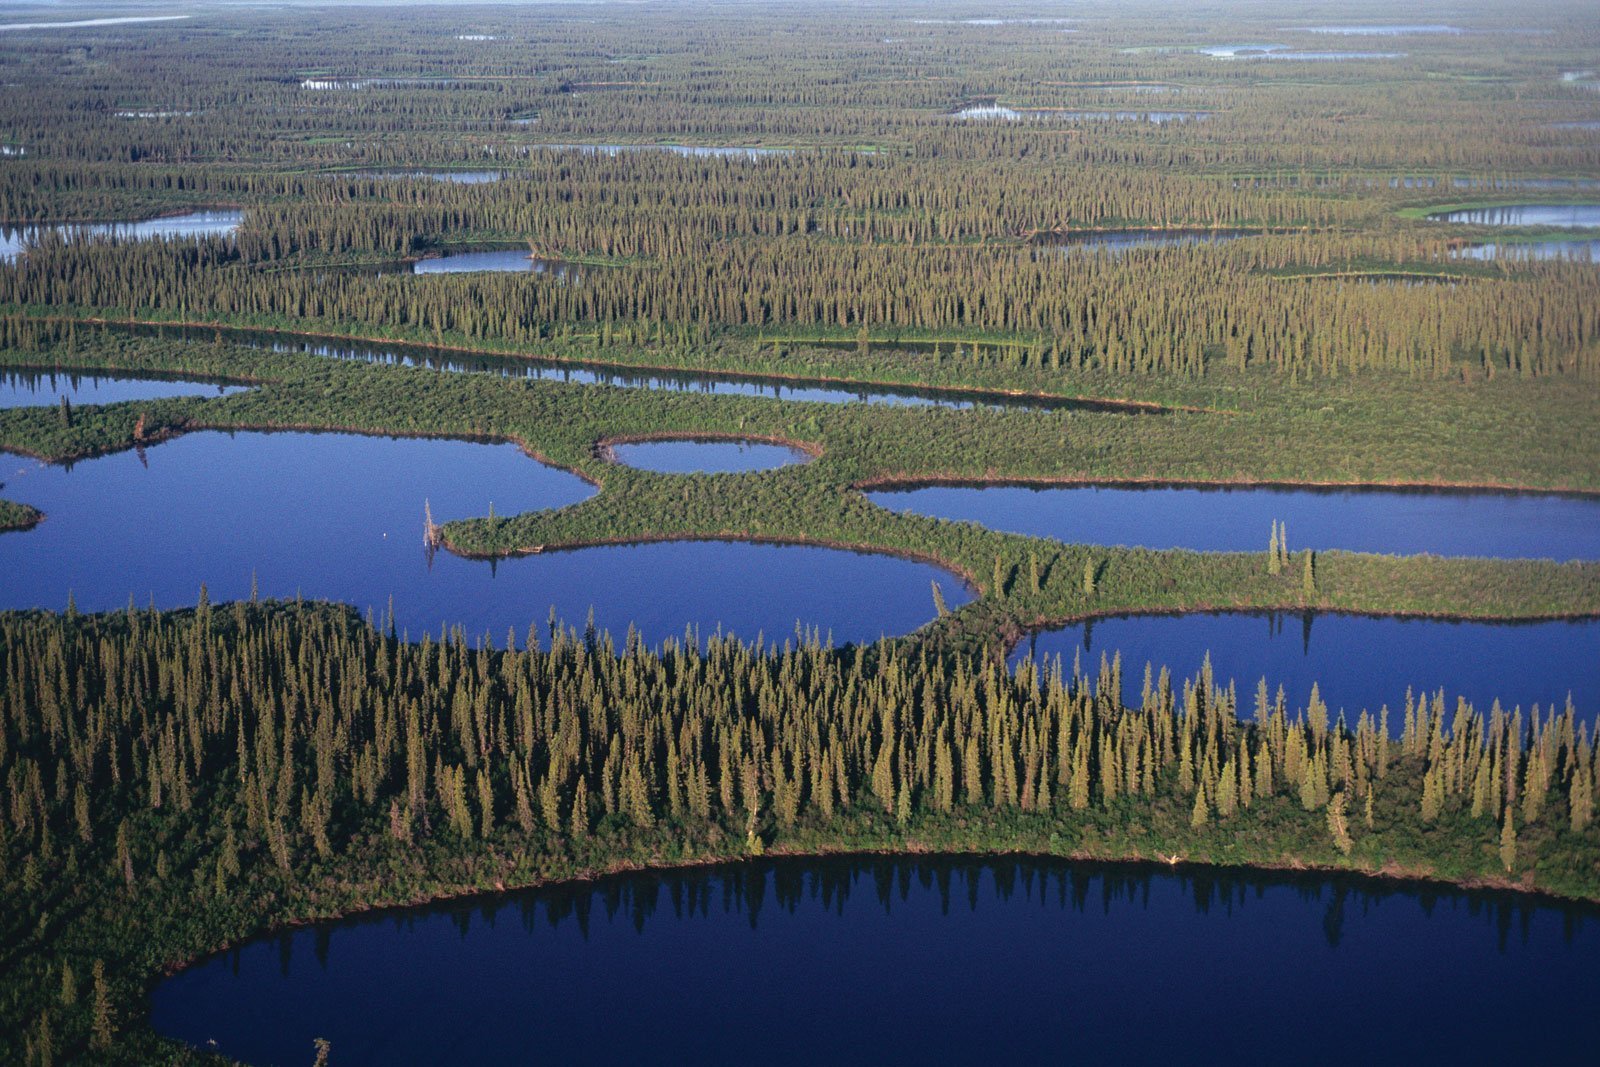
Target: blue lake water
[
  {"x": 210, "y": 223},
  {"x": 706, "y": 457},
  {"x": 514, "y": 260},
  {"x": 1509, "y": 525},
  {"x": 1357, "y": 661},
  {"x": 1569, "y": 215},
  {"x": 29, "y": 388},
  {"x": 915, "y": 962},
  {"x": 340, "y": 517}
]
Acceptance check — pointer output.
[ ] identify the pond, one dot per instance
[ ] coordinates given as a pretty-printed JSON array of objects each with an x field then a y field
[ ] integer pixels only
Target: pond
[
  {"x": 40, "y": 388},
  {"x": 710, "y": 151},
  {"x": 689, "y": 456},
  {"x": 1505, "y": 525},
  {"x": 1581, "y": 251},
  {"x": 1357, "y": 661},
  {"x": 516, "y": 260},
  {"x": 1123, "y": 240},
  {"x": 1579, "y": 215},
  {"x": 1278, "y": 51},
  {"x": 455, "y": 177},
  {"x": 340, "y": 517},
  {"x": 209, "y": 223},
  {"x": 590, "y": 374},
  {"x": 913, "y": 961}
]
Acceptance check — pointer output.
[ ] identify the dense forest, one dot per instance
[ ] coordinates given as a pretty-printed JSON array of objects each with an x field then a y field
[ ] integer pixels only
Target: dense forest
[{"x": 273, "y": 763}]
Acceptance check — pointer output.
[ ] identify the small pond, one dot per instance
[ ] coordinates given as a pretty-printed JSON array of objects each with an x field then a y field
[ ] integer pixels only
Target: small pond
[
  {"x": 211, "y": 223},
  {"x": 690, "y": 456},
  {"x": 36, "y": 388},
  {"x": 913, "y": 961},
  {"x": 454, "y": 177},
  {"x": 1581, "y": 251},
  {"x": 1506, "y": 525},
  {"x": 340, "y": 517},
  {"x": 516, "y": 260},
  {"x": 710, "y": 151},
  {"x": 1578, "y": 215},
  {"x": 1357, "y": 661}
]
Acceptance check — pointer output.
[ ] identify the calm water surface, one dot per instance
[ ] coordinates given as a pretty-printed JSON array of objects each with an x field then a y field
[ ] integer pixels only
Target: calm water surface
[
  {"x": 515, "y": 260},
  {"x": 706, "y": 457},
  {"x": 211, "y": 223},
  {"x": 1357, "y": 661},
  {"x": 1578, "y": 251},
  {"x": 915, "y": 962},
  {"x": 340, "y": 517},
  {"x": 29, "y": 388},
  {"x": 1581, "y": 215},
  {"x": 1506, "y": 525}
]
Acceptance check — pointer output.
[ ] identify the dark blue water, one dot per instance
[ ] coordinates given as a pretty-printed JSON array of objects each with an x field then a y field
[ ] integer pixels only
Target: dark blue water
[
  {"x": 340, "y": 517},
  {"x": 1583, "y": 215},
  {"x": 1505, "y": 525},
  {"x": 917, "y": 962},
  {"x": 1358, "y": 662},
  {"x": 27, "y": 388},
  {"x": 706, "y": 457}
]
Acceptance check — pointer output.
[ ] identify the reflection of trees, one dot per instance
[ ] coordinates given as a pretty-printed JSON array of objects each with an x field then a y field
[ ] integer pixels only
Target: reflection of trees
[{"x": 790, "y": 885}]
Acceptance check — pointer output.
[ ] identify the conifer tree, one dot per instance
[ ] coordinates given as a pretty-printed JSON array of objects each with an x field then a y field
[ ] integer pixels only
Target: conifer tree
[
  {"x": 1337, "y": 826},
  {"x": 1508, "y": 842},
  {"x": 1308, "y": 577}
]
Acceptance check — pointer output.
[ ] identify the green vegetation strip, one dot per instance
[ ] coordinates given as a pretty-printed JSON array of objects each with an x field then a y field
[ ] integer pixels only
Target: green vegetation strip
[{"x": 188, "y": 780}]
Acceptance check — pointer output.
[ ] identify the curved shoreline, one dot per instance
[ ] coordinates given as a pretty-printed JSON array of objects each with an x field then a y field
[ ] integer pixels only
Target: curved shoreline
[
  {"x": 1111, "y": 405},
  {"x": 902, "y": 482},
  {"x": 605, "y": 448},
  {"x": 1389, "y": 875}
]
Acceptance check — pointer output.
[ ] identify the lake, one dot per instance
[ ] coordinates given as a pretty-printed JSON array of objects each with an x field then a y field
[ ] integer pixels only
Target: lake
[
  {"x": 1505, "y": 525},
  {"x": 340, "y": 517},
  {"x": 688, "y": 456},
  {"x": 209, "y": 223},
  {"x": 34, "y": 388},
  {"x": 591, "y": 374},
  {"x": 1569, "y": 215},
  {"x": 1358, "y": 661},
  {"x": 914, "y": 961}
]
